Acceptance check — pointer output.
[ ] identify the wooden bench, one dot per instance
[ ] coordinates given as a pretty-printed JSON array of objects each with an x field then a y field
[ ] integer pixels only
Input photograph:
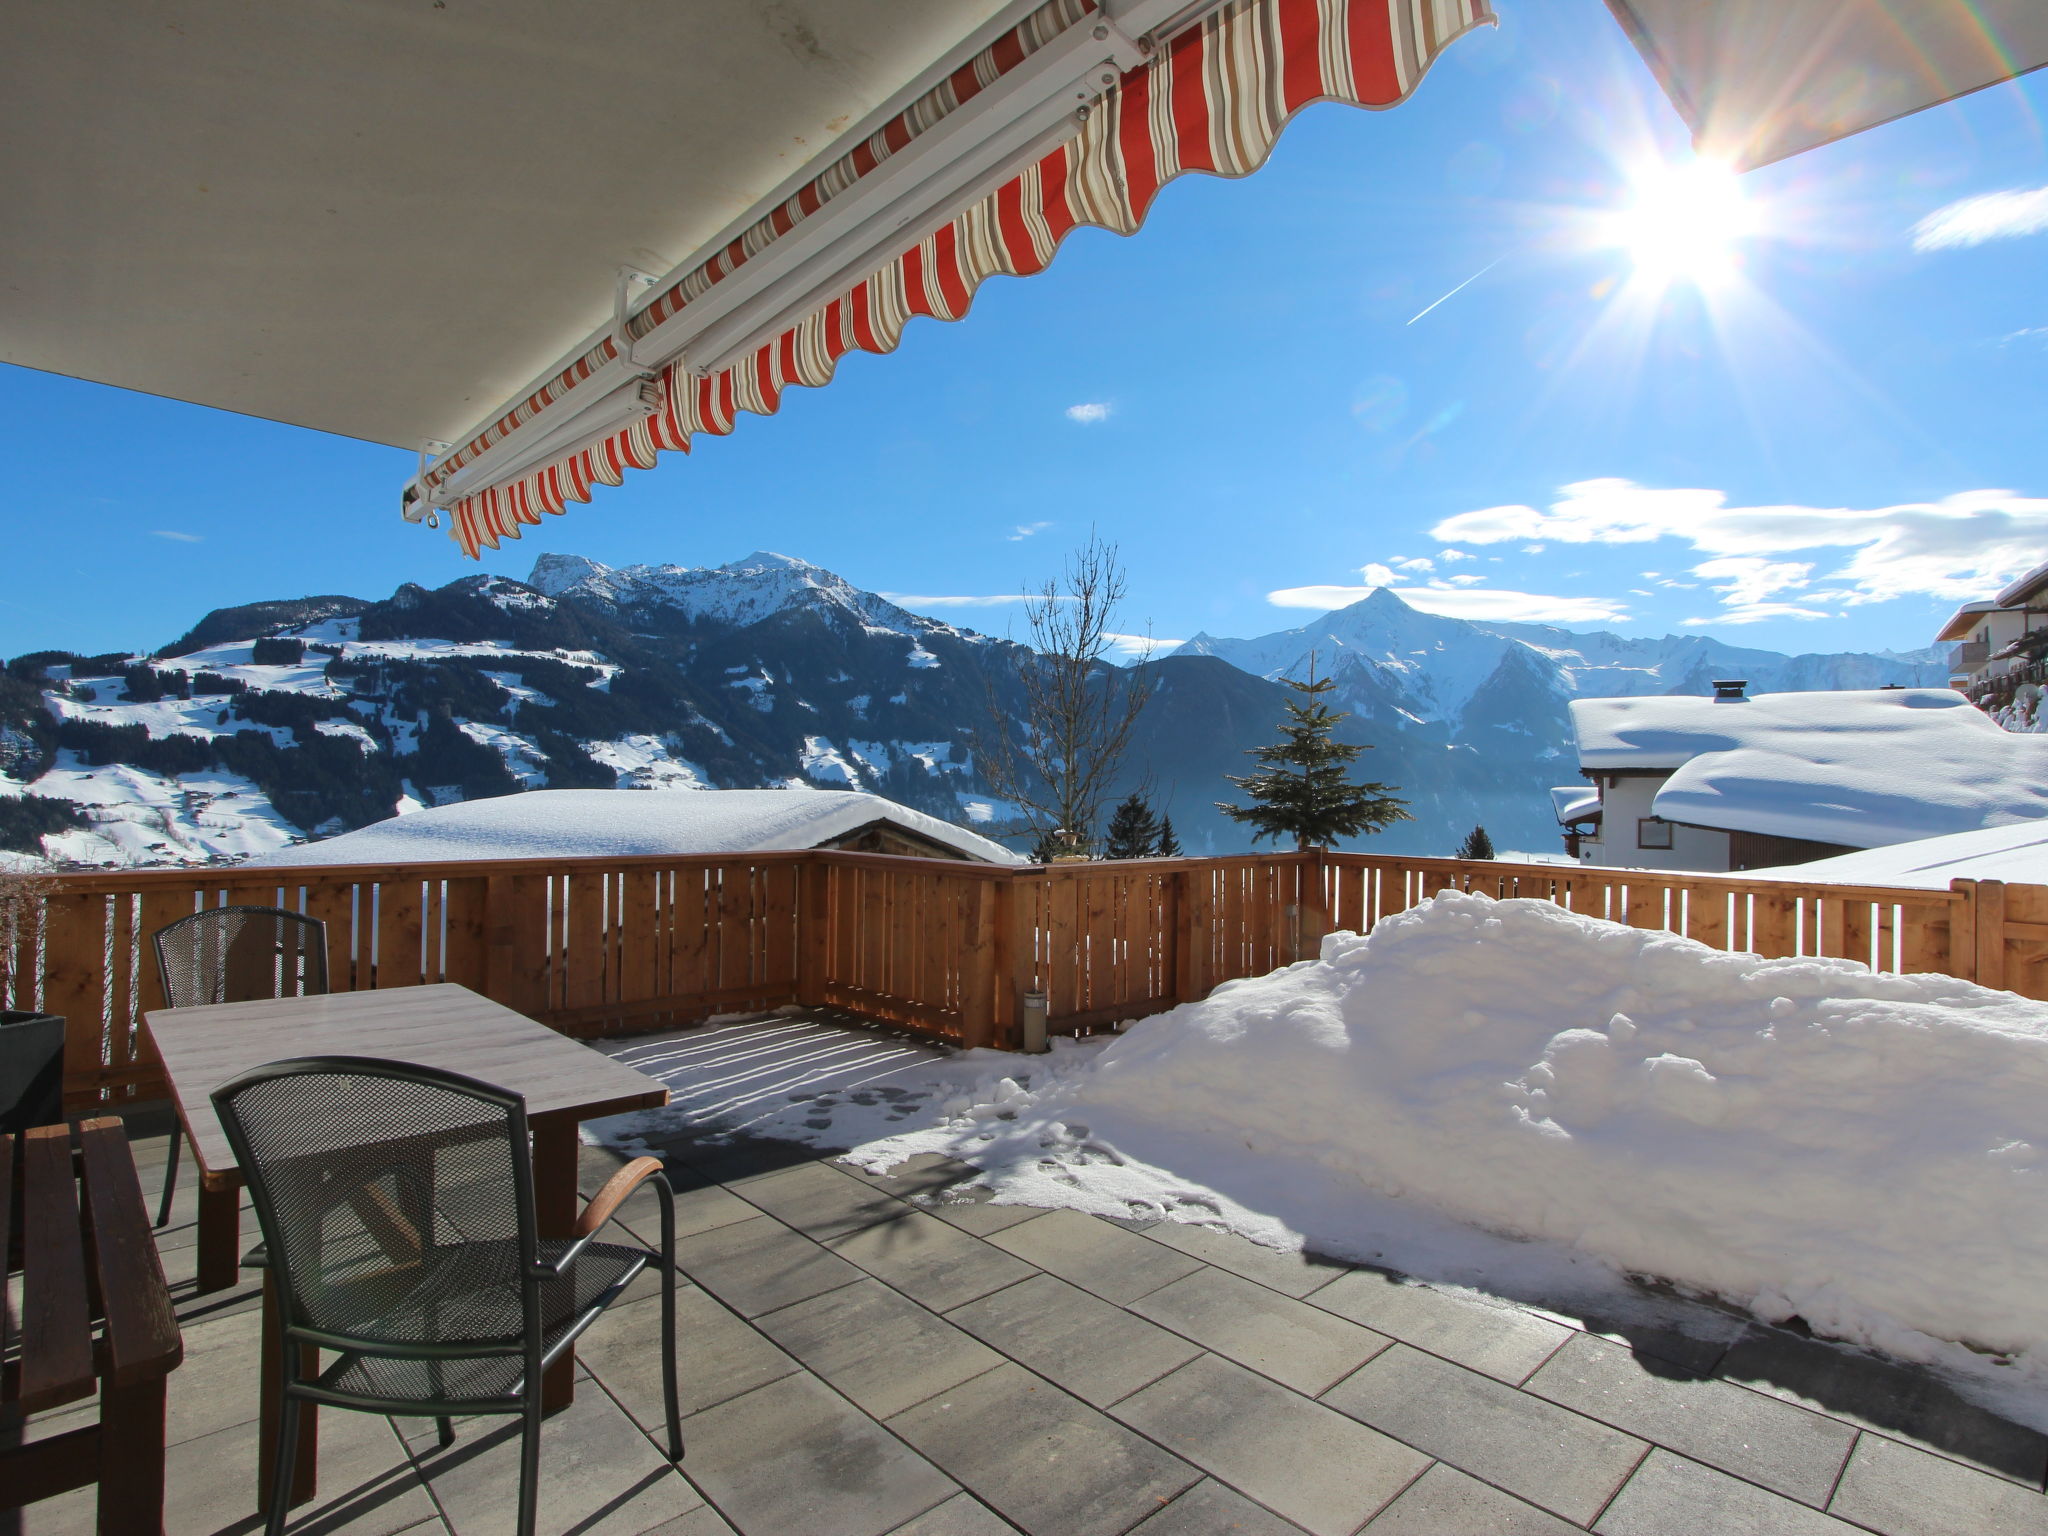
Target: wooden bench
[{"x": 95, "y": 1318}]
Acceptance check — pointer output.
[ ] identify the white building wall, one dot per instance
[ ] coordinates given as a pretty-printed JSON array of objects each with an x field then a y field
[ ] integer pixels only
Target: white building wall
[{"x": 1625, "y": 802}]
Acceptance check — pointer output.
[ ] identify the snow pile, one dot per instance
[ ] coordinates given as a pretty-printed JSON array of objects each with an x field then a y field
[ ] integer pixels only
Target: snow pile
[
  {"x": 1863, "y": 768},
  {"x": 1797, "y": 1136},
  {"x": 620, "y": 823}
]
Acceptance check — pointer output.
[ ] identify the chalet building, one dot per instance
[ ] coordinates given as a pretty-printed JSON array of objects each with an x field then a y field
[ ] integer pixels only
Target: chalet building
[
  {"x": 1740, "y": 781},
  {"x": 1998, "y": 662}
]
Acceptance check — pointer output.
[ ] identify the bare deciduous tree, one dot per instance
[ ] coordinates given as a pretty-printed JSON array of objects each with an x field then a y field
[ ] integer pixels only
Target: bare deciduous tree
[{"x": 1080, "y": 708}]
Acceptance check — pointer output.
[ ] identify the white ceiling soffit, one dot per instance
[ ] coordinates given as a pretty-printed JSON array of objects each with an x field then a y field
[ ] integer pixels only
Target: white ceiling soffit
[
  {"x": 1758, "y": 80},
  {"x": 384, "y": 218}
]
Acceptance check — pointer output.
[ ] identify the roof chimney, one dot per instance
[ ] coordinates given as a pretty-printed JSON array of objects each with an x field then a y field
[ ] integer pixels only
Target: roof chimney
[{"x": 1730, "y": 688}]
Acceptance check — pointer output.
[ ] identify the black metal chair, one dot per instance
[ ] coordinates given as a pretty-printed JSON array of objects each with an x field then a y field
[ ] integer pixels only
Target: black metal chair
[
  {"x": 398, "y": 1219},
  {"x": 235, "y": 955}
]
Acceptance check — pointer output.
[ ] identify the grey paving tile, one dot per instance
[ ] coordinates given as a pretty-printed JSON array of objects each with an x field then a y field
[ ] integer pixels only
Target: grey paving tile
[
  {"x": 1210, "y": 1509},
  {"x": 1504, "y": 1342},
  {"x": 1290, "y": 1273},
  {"x": 756, "y": 1266},
  {"x": 929, "y": 1261},
  {"x": 879, "y": 1349},
  {"x": 218, "y": 1385},
  {"x": 697, "y": 1210},
  {"x": 1318, "y": 1468},
  {"x": 1670, "y": 1496},
  {"x": 1042, "y": 1458},
  {"x": 961, "y": 1515},
  {"x": 818, "y": 1200},
  {"x": 1902, "y": 1491},
  {"x": 1445, "y": 1502},
  {"x": 1116, "y": 1265},
  {"x": 1759, "y": 1438},
  {"x": 702, "y": 1521},
  {"x": 1296, "y": 1344},
  {"x": 599, "y": 1475},
  {"x": 1894, "y": 1399},
  {"x": 794, "y": 1456},
  {"x": 973, "y": 1212},
  {"x": 1548, "y": 1455},
  {"x": 1098, "y": 1352},
  {"x": 717, "y": 1356},
  {"x": 368, "y": 1487}
]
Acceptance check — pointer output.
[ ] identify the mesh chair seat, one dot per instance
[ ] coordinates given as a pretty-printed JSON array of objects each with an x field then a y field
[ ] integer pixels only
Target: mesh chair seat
[
  {"x": 469, "y": 1293},
  {"x": 601, "y": 1270}
]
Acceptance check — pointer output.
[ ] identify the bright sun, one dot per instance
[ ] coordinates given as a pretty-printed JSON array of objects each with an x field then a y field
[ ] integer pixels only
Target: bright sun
[{"x": 1685, "y": 222}]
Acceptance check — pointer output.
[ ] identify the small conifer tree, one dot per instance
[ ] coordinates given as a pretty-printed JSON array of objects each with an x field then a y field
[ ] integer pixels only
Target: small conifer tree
[
  {"x": 1477, "y": 845},
  {"x": 1304, "y": 790},
  {"x": 1133, "y": 830},
  {"x": 1169, "y": 845}
]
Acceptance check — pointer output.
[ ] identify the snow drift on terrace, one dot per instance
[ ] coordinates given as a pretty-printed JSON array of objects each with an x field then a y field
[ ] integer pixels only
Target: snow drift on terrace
[
  {"x": 1869, "y": 1152},
  {"x": 621, "y": 823},
  {"x": 1863, "y": 768},
  {"x": 2017, "y": 854}
]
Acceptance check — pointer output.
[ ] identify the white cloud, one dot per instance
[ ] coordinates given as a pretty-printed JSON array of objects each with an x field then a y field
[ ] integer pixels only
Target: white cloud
[
  {"x": 1412, "y": 563},
  {"x": 182, "y": 538},
  {"x": 1989, "y": 216},
  {"x": 1467, "y": 603},
  {"x": 1448, "y": 555},
  {"x": 1138, "y": 647},
  {"x": 1756, "y": 613},
  {"x": 1377, "y": 575},
  {"x": 1957, "y": 548},
  {"x": 2026, "y": 333},
  {"x": 1026, "y": 530},
  {"x": 1089, "y": 412},
  {"x": 1745, "y": 580},
  {"x": 1458, "y": 581}
]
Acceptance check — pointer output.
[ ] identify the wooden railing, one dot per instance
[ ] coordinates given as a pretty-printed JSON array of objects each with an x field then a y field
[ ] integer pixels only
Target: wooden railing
[{"x": 621, "y": 946}]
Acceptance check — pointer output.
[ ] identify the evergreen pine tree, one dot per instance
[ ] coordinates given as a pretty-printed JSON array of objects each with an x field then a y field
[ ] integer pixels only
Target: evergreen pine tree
[
  {"x": 1133, "y": 830},
  {"x": 1477, "y": 845},
  {"x": 1169, "y": 845},
  {"x": 1304, "y": 791}
]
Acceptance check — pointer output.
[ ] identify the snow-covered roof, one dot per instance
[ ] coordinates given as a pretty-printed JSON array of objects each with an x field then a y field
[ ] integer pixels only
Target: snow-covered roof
[
  {"x": 1964, "y": 619},
  {"x": 1864, "y": 768},
  {"x": 1575, "y": 802},
  {"x": 2016, "y": 854},
  {"x": 622, "y": 823}
]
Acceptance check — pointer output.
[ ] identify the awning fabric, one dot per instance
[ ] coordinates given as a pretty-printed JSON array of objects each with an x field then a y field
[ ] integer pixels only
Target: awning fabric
[
  {"x": 1758, "y": 80},
  {"x": 1213, "y": 99}
]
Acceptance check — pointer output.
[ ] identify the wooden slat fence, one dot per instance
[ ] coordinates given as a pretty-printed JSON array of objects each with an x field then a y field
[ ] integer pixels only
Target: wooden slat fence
[{"x": 620, "y": 946}]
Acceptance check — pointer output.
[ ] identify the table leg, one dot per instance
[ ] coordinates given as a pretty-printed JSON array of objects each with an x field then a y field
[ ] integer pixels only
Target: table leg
[
  {"x": 555, "y": 1147},
  {"x": 306, "y": 1462},
  {"x": 220, "y": 1237},
  {"x": 131, "y": 1456}
]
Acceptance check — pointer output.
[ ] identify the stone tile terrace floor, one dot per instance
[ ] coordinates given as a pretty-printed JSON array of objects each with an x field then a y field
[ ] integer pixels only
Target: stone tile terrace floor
[{"x": 863, "y": 1356}]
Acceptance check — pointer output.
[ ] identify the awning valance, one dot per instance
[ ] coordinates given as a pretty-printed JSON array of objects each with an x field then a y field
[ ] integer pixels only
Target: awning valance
[{"x": 1212, "y": 97}]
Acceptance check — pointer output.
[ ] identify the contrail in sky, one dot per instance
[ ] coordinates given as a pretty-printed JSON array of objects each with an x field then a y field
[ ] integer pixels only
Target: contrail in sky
[{"x": 1461, "y": 287}]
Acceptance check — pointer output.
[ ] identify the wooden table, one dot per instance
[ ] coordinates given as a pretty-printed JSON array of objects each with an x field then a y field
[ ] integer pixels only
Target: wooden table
[
  {"x": 445, "y": 1026},
  {"x": 96, "y": 1318}
]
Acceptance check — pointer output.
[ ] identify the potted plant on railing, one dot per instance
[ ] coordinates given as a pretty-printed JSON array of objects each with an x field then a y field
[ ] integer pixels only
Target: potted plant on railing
[{"x": 31, "y": 1043}]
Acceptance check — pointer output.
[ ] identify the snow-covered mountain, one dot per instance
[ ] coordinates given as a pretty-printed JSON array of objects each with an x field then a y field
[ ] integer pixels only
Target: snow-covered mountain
[
  {"x": 281, "y": 720},
  {"x": 1436, "y": 668}
]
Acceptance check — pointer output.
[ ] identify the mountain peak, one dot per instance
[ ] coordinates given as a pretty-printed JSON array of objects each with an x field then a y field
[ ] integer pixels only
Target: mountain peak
[
  {"x": 768, "y": 560},
  {"x": 554, "y": 574}
]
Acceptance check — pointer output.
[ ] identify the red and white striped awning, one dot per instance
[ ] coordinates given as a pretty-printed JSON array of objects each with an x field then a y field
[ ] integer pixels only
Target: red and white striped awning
[{"x": 1211, "y": 96}]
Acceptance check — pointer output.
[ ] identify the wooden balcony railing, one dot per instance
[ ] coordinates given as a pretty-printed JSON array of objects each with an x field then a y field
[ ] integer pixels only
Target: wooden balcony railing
[{"x": 622, "y": 946}]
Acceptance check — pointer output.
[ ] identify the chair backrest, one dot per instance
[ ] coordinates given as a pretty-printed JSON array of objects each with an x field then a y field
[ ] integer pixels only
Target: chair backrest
[
  {"x": 365, "y": 1174},
  {"x": 241, "y": 954}
]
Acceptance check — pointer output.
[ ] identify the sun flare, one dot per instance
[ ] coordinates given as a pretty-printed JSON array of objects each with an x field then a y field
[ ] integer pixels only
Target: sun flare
[{"x": 1684, "y": 222}]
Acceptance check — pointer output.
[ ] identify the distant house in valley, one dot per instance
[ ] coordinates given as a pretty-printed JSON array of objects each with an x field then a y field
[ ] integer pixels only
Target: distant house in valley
[
  {"x": 624, "y": 823},
  {"x": 2000, "y": 660},
  {"x": 1736, "y": 781}
]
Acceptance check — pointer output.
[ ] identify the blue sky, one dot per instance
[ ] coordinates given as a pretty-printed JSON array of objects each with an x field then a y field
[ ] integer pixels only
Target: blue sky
[{"x": 1821, "y": 449}]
